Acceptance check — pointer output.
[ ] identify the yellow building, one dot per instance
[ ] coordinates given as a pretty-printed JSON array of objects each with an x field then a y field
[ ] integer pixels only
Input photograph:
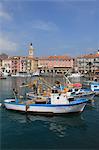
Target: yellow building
[{"x": 32, "y": 62}]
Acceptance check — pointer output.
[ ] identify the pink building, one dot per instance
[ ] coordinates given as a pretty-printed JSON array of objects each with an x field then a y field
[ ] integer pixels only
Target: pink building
[
  {"x": 55, "y": 64},
  {"x": 15, "y": 64}
]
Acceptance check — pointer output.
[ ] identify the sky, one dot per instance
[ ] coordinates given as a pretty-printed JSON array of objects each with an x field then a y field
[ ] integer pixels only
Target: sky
[{"x": 54, "y": 27}]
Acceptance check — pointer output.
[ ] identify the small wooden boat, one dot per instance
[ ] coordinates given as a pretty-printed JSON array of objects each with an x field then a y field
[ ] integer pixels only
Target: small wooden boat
[{"x": 56, "y": 104}]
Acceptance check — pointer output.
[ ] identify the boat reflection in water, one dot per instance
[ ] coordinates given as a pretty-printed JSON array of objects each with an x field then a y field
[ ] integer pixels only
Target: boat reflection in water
[{"x": 59, "y": 125}]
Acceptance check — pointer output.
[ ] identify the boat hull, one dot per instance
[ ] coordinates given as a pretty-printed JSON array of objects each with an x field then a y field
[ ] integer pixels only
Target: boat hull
[{"x": 46, "y": 108}]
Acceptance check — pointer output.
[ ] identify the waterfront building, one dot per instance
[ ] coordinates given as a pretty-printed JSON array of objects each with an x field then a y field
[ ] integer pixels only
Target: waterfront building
[
  {"x": 15, "y": 64},
  {"x": 28, "y": 64},
  {"x": 31, "y": 64},
  {"x": 85, "y": 64},
  {"x": 7, "y": 66},
  {"x": 2, "y": 57},
  {"x": 88, "y": 63},
  {"x": 0, "y": 65},
  {"x": 55, "y": 64},
  {"x": 34, "y": 64},
  {"x": 23, "y": 66}
]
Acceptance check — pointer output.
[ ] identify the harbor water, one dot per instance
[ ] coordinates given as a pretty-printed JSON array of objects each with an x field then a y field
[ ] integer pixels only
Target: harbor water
[{"x": 24, "y": 131}]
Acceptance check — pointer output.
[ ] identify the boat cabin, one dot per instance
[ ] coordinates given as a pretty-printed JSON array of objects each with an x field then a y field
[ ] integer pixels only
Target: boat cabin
[
  {"x": 58, "y": 98},
  {"x": 95, "y": 87}
]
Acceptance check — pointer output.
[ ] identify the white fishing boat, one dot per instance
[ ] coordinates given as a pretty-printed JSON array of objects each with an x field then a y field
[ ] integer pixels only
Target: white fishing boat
[
  {"x": 93, "y": 86},
  {"x": 75, "y": 75},
  {"x": 33, "y": 95},
  {"x": 21, "y": 74},
  {"x": 56, "y": 104},
  {"x": 36, "y": 73},
  {"x": 81, "y": 93},
  {"x": 71, "y": 94}
]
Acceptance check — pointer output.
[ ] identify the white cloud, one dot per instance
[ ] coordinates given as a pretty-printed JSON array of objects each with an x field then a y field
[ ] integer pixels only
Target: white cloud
[
  {"x": 3, "y": 13},
  {"x": 42, "y": 25},
  {"x": 7, "y": 45}
]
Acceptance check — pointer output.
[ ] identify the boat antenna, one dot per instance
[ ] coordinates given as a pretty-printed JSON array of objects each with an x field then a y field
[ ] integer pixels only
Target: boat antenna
[
  {"x": 65, "y": 76},
  {"x": 15, "y": 92}
]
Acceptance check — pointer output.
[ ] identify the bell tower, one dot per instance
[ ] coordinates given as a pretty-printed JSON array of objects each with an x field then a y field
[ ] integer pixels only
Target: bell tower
[{"x": 31, "y": 51}]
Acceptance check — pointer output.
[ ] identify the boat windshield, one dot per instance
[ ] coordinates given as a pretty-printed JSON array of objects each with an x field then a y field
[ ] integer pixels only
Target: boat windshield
[{"x": 55, "y": 91}]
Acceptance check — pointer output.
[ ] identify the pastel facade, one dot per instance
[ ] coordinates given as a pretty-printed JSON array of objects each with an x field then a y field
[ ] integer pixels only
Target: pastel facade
[
  {"x": 28, "y": 64},
  {"x": 34, "y": 64},
  {"x": 23, "y": 65},
  {"x": 15, "y": 64},
  {"x": 55, "y": 64},
  {"x": 49, "y": 64},
  {"x": 7, "y": 66},
  {"x": 88, "y": 63},
  {"x": 2, "y": 57}
]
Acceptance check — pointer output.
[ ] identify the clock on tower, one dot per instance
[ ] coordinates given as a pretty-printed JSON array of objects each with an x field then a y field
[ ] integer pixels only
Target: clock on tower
[{"x": 31, "y": 50}]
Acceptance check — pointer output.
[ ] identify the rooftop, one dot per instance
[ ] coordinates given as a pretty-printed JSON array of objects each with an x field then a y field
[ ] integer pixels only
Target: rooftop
[
  {"x": 65, "y": 57},
  {"x": 89, "y": 56}
]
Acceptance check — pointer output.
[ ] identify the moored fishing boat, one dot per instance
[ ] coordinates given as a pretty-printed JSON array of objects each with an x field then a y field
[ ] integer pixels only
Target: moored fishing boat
[
  {"x": 56, "y": 104},
  {"x": 21, "y": 74},
  {"x": 93, "y": 86},
  {"x": 71, "y": 94},
  {"x": 74, "y": 92},
  {"x": 75, "y": 75},
  {"x": 81, "y": 93}
]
